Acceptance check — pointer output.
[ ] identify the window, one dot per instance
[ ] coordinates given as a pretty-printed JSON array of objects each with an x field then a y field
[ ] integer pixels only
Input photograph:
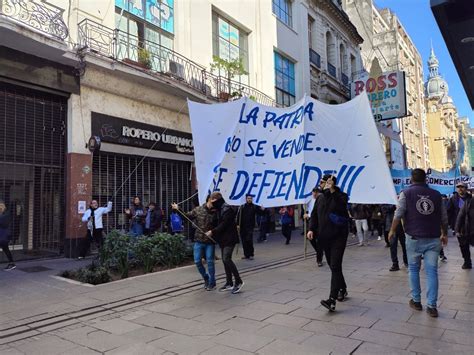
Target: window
[
  {"x": 282, "y": 10},
  {"x": 284, "y": 80},
  {"x": 159, "y": 13},
  {"x": 353, "y": 66},
  {"x": 229, "y": 43},
  {"x": 310, "y": 31}
]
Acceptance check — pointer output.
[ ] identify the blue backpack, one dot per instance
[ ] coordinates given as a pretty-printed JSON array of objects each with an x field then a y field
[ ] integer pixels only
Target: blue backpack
[{"x": 176, "y": 222}]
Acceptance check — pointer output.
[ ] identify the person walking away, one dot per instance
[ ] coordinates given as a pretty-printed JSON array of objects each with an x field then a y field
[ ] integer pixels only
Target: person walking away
[
  {"x": 426, "y": 226},
  {"x": 136, "y": 214},
  {"x": 330, "y": 224},
  {"x": 464, "y": 230},
  {"x": 5, "y": 235},
  {"x": 360, "y": 213},
  {"x": 95, "y": 227},
  {"x": 388, "y": 213},
  {"x": 377, "y": 221},
  {"x": 454, "y": 205},
  {"x": 204, "y": 219},
  {"x": 225, "y": 233},
  {"x": 287, "y": 215},
  {"x": 246, "y": 221},
  {"x": 153, "y": 219},
  {"x": 315, "y": 243},
  {"x": 264, "y": 219}
]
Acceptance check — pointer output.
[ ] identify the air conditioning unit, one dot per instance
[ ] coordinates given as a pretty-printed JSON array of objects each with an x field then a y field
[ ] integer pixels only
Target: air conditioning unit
[{"x": 176, "y": 70}]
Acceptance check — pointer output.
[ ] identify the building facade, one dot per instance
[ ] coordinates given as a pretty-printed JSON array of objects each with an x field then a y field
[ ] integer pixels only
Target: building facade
[{"x": 387, "y": 46}]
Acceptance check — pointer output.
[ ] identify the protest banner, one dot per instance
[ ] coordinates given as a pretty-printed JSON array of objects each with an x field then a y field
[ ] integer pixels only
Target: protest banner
[{"x": 278, "y": 155}]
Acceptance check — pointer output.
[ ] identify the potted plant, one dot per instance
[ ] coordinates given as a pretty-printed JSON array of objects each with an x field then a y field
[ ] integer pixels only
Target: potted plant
[
  {"x": 231, "y": 68},
  {"x": 144, "y": 57}
]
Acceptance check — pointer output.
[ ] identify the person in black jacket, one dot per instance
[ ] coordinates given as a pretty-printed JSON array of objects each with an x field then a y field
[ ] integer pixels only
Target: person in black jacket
[
  {"x": 226, "y": 235},
  {"x": 153, "y": 219},
  {"x": 330, "y": 224},
  {"x": 5, "y": 235},
  {"x": 246, "y": 221},
  {"x": 464, "y": 229}
]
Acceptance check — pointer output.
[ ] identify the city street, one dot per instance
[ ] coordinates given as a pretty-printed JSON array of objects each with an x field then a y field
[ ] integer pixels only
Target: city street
[{"x": 278, "y": 311}]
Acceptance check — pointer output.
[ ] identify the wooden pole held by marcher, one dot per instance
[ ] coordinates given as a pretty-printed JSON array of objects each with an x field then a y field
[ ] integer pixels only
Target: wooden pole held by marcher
[{"x": 304, "y": 234}]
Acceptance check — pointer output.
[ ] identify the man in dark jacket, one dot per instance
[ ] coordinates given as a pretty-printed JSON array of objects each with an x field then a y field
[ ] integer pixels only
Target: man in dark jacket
[
  {"x": 153, "y": 219},
  {"x": 361, "y": 213},
  {"x": 330, "y": 224},
  {"x": 465, "y": 232},
  {"x": 456, "y": 202},
  {"x": 426, "y": 227},
  {"x": 225, "y": 233},
  {"x": 246, "y": 221}
]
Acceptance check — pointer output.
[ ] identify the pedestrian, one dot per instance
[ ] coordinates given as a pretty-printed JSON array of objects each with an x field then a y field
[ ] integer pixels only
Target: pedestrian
[
  {"x": 226, "y": 235},
  {"x": 204, "y": 219},
  {"x": 95, "y": 226},
  {"x": 454, "y": 205},
  {"x": 361, "y": 213},
  {"x": 377, "y": 223},
  {"x": 136, "y": 214},
  {"x": 287, "y": 216},
  {"x": 464, "y": 230},
  {"x": 153, "y": 219},
  {"x": 264, "y": 222},
  {"x": 246, "y": 222},
  {"x": 330, "y": 224},
  {"x": 315, "y": 243},
  {"x": 5, "y": 235},
  {"x": 426, "y": 225}
]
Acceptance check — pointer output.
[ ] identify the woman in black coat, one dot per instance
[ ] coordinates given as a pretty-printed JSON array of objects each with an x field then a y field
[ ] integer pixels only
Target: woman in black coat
[{"x": 5, "y": 235}]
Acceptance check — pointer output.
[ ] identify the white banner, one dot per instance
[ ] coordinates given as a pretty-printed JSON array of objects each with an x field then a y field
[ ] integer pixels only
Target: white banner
[{"x": 279, "y": 154}]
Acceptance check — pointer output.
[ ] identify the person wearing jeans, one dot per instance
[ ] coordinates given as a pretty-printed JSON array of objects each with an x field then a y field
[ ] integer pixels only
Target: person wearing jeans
[
  {"x": 426, "y": 226},
  {"x": 209, "y": 276}
]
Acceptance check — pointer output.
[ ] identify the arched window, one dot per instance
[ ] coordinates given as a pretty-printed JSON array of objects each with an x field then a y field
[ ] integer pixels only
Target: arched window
[
  {"x": 331, "y": 53},
  {"x": 343, "y": 58}
]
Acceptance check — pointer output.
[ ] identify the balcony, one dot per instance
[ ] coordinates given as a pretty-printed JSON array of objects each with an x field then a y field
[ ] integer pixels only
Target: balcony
[
  {"x": 345, "y": 79},
  {"x": 162, "y": 62},
  {"x": 314, "y": 58},
  {"x": 332, "y": 70},
  {"x": 40, "y": 16}
]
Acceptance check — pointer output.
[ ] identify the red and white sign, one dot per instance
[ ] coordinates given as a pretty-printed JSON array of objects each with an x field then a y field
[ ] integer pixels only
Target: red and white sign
[{"x": 386, "y": 93}]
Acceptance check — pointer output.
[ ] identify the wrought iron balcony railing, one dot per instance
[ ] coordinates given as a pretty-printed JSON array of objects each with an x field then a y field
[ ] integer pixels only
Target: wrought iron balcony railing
[
  {"x": 314, "y": 58},
  {"x": 41, "y": 16},
  {"x": 156, "y": 59},
  {"x": 332, "y": 70},
  {"x": 345, "y": 79}
]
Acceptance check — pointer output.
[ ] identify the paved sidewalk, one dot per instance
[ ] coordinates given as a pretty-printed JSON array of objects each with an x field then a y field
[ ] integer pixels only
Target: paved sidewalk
[{"x": 278, "y": 312}]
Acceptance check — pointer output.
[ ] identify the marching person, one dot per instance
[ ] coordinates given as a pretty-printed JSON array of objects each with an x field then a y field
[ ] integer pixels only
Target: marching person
[
  {"x": 136, "y": 215},
  {"x": 287, "y": 215},
  {"x": 264, "y": 222},
  {"x": 315, "y": 243},
  {"x": 5, "y": 235},
  {"x": 93, "y": 217},
  {"x": 330, "y": 224},
  {"x": 455, "y": 204},
  {"x": 361, "y": 213},
  {"x": 225, "y": 233},
  {"x": 388, "y": 212},
  {"x": 465, "y": 232},
  {"x": 204, "y": 219},
  {"x": 426, "y": 226},
  {"x": 246, "y": 221},
  {"x": 153, "y": 219}
]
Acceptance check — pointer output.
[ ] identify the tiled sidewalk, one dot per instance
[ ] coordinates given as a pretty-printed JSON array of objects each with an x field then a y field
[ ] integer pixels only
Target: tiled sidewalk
[{"x": 278, "y": 312}]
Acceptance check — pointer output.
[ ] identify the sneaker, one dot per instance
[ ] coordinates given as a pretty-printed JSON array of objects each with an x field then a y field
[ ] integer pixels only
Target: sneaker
[
  {"x": 320, "y": 263},
  {"x": 10, "y": 267},
  {"x": 80, "y": 257},
  {"x": 379, "y": 238},
  {"x": 287, "y": 242},
  {"x": 250, "y": 257},
  {"x": 432, "y": 312},
  {"x": 226, "y": 287},
  {"x": 361, "y": 244},
  {"x": 329, "y": 304},
  {"x": 466, "y": 266},
  {"x": 211, "y": 287},
  {"x": 206, "y": 283},
  {"x": 415, "y": 305},
  {"x": 394, "y": 267},
  {"x": 237, "y": 287},
  {"x": 342, "y": 295},
  {"x": 243, "y": 258},
  {"x": 387, "y": 245},
  {"x": 443, "y": 259}
]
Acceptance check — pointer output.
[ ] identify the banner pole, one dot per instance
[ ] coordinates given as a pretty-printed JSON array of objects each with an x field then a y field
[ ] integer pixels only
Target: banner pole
[{"x": 304, "y": 234}]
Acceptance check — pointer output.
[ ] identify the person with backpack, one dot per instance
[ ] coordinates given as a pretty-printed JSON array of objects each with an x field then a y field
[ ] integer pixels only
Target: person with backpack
[
  {"x": 287, "y": 216},
  {"x": 93, "y": 217},
  {"x": 153, "y": 219},
  {"x": 136, "y": 214},
  {"x": 204, "y": 219}
]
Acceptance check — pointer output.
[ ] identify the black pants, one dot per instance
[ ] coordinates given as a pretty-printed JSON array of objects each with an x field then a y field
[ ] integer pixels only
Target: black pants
[
  {"x": 247, "y": 242},
  {"x": 334, "y": 250},
  {"x": 318, "y": 249},
  {"x": 377, "y": 226},
  {"x": 229, "y": 266},
  {"x": 263, "y": 231},
  {"x": 96, "y": 237},
  {"x": 6, "y": 250},
  {"x": 464, "y": 246},
  {"x": 398, "y": 238},
  {"x": 286, "y": 231}
]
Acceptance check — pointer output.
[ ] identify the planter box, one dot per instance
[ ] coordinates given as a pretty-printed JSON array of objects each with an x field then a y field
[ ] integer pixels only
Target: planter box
[
  {"x": 224, "y": 96},
  {"x": 135, "y": 63}
]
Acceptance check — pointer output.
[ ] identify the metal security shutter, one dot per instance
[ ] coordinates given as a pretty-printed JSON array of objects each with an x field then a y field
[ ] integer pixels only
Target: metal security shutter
[
  {"x": 154, "y": 180},
  {"x": 32, "y": 158}
]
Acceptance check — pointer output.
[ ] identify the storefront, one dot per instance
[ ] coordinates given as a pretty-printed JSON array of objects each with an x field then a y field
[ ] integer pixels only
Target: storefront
[{"x": 138, "y": 159}]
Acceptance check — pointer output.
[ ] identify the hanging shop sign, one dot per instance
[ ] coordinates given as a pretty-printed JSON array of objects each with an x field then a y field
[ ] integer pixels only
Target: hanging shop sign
[{"x": 137, "y": 134}]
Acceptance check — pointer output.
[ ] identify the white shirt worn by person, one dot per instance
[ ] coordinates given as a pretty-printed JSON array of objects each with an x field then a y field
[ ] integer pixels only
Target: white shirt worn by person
[{"x": 97, "y": 215}]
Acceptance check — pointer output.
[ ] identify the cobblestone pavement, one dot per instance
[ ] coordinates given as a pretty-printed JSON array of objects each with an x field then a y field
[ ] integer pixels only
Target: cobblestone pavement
[{"x": 278, "y": 311}]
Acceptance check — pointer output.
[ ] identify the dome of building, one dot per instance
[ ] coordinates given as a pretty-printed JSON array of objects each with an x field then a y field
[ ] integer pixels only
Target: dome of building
[{"x": 436, "y": 86}]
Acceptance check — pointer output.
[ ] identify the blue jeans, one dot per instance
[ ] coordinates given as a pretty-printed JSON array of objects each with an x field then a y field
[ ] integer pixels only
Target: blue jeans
[
  {"x": 136, "y": 229},
  {"x": 208, "y": 250},
  {"x": 429, "y": 248}
]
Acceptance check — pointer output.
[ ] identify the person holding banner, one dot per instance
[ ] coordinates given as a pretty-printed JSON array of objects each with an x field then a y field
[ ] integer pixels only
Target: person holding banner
[{"x": 330, "y": 224}]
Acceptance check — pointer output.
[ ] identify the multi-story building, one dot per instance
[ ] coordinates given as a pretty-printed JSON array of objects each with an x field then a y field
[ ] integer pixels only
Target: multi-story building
[
  {"x": 73, "y": 73},
  {"x": 387, "y": 46},
  {"x": 448, "y": 134}
]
